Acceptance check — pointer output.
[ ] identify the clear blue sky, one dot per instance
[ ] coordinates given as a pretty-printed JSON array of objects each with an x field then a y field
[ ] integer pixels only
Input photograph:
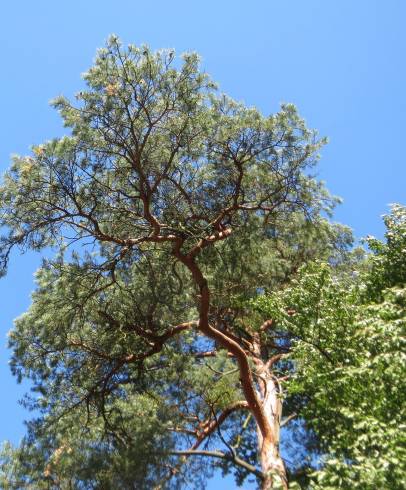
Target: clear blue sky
[{"x": 341, "y": 62}]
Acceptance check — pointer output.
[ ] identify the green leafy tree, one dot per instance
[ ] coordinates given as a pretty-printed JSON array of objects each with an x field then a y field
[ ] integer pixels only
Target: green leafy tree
[
  {"x": 348, "y": 350},
  {"x": 171, "y": 207}
]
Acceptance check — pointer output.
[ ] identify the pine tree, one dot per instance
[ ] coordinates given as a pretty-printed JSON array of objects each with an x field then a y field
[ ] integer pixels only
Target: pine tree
[{"x": 178, "y": 216}]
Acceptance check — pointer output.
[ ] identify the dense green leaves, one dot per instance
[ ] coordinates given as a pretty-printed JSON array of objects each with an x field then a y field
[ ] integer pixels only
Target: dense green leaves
[{"x": 348, "y": 352}]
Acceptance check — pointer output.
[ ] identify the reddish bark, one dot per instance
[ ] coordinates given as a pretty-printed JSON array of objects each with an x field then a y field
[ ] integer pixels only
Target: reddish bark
[{"x": 265, "y": 403}]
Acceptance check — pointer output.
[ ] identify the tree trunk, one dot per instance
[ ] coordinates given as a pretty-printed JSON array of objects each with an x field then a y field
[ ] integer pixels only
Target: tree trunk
[
  {"x": 265, "y": 405},
  {"x": 271, "y": 462}
]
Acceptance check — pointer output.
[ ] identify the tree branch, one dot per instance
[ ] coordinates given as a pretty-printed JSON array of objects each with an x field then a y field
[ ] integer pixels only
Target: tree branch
[
  {"x": 286, "y": 420},
  {"x": 228, "y": 343},
  {"x": 219, "y": 454},
  {"x": 212, "y": 424}
]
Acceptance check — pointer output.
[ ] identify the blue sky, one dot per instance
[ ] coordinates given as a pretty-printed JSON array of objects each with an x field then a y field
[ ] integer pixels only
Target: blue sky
[{"x": 341, "y": 62}]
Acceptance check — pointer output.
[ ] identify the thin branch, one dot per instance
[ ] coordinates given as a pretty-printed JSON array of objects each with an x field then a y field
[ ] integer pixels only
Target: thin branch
[
  {"x": 211, "y": 425},
  {"x": 220, "y": 455},
  {"x": 286, "y": 420}
]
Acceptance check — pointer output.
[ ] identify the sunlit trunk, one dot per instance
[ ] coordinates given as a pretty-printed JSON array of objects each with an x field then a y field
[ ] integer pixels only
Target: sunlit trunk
[{"x": 271, "y": 462}]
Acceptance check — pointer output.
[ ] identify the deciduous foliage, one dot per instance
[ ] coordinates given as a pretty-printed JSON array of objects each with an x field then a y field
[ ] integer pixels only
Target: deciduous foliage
[
  {"x": 349, "y": 356},
  {"x": 157, "y": 343}
]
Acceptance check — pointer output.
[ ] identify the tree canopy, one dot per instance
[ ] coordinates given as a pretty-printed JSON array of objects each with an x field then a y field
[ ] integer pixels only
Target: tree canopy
[
  {"x": 198, "y": 299},
  {"x": 349, "y": 354}
]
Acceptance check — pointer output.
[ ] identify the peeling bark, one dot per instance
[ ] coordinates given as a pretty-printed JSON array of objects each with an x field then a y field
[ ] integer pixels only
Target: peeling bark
[
  {"x": 270, "y": 393},
  {"x": 272, "y": 465}
]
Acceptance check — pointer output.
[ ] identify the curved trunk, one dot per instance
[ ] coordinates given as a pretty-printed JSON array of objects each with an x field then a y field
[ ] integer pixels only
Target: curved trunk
[
  {"x": 271, "y": 462},
  {"x": 265, "y": 405}
]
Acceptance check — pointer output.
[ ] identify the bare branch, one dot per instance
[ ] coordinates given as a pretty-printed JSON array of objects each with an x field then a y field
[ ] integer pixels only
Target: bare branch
[
  {"x": 212, "y": 424},
  {"x": 219, "y": 454}
]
